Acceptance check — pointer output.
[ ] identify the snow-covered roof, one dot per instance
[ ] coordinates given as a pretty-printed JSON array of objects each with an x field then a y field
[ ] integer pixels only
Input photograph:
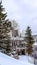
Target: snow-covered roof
[
  {"x": 17, "y": 38},
  {"x": 6, "y": 60}
]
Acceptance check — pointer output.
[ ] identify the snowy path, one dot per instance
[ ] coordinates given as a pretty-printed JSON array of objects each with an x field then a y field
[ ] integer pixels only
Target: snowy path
[
  {"x": 6, "y": 60},
  {"x": 25, "y": 60}
]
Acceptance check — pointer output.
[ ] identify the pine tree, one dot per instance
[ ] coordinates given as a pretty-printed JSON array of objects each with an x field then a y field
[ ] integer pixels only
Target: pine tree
[
  {"x": 5, "y": 26},
  {"x": 29, "y": 40},
  {"x": 8, "y": 47},
  {"x": 2, "y": 20},
  {"x": 2, "y": 14}
]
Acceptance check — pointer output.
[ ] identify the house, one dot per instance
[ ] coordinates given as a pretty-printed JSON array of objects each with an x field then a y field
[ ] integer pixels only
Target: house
[{"x": 18, "y": 44}]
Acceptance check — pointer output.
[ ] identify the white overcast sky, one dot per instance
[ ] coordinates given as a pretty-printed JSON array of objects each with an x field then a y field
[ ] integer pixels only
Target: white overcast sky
[{"x": 23, "y": 11}]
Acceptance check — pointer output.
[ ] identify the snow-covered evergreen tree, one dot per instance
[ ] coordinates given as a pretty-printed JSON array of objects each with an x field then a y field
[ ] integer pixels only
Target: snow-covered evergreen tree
[{"x": 29, "y": 39}]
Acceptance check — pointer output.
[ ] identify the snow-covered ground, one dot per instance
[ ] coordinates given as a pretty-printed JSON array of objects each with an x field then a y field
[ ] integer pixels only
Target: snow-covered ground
[
  {"x": 26, "y": 59},
  {"x": 6, "y": 60}
]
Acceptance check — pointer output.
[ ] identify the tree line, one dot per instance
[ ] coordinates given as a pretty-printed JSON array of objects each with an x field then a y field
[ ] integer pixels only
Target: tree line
[{"x": 5, "y": 27}]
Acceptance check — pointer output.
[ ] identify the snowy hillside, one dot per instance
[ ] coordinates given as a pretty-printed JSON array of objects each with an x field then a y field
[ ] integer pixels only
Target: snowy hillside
[{"x": 6, "y": 60}]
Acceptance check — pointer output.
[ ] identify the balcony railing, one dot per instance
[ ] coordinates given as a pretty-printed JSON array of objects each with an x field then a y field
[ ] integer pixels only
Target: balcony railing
[{"x": 20, "y": 47}]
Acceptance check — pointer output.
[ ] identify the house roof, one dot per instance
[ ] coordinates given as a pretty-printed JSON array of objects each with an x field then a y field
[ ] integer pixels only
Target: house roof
[{"x": 17, "y": 38}]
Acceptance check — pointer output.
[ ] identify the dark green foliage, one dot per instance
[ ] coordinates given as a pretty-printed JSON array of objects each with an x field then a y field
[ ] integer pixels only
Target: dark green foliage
[
  {"x": 2, "y": 14},
  {"x": 2, "y": 21},
  {"x": 5, "y": 26},
  {"x": 8, "y": 48},
  {"x": 29, "y": 40}
]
